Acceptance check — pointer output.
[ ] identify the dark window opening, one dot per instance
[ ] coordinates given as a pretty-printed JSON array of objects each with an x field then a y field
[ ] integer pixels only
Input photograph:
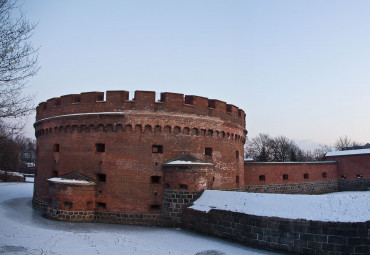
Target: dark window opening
[
  {"x": 101, "y": 205},
  {"x": 237, "y": 154},
  {"x": 76, "y": 99},
  {"x": 100, "y": 97},
  {"x": 157, "y": 148},
  {"x": 101, "y": 177},
  {"x": 183, "y": 186},
  {"x": 67, "y": 205},
  {"x": 237, "y": 179},
  {"x": 212, "y": 104},
  {"x": 55, "y": 173},
  {"x": 324, "y": 175},
  {"x": 56, "y": 147},
  {"x": 155, "y": 179},
  {"x": 155, "y": 207},
  {"x": 359, "y": 176},
  {"x": 100, "y": 147},
  {"x": 208, "y": 151},
  {"x": 239, "y": 113},
  {"x": 305, "y": 176},
  {"x": 262, "y": 178},
  {"x": 189, "y": 100},
  {"x": 344, "y": 177},
  {"x": 57, "y": 102},
  {"x": 228, "y": 108},
  {"x": 285, "y": 177}
]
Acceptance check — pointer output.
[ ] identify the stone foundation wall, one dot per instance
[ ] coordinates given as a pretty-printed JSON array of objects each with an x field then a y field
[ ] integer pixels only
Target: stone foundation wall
[
  {"x": 354, "y": 185},
  {"x": 287, "y": 235},
  {"x": 174, "y": 201},
  {"x": 104, "y": 217},
  {"x": 295, "y": 188},
  {"x": 39, "y": 205}
]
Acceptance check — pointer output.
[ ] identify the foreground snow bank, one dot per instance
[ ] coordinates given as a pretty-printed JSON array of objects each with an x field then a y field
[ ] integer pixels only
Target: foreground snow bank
[
  {"x": 351, "y": 206},
  {"x": 24, "y": 231}
]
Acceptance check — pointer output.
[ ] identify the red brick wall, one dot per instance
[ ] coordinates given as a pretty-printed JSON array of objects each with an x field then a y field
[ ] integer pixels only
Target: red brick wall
[
  {"x": 81, "y": 196},
  {"x": 274, "y": 172},
  {"x": 353, "y": 165},
  {"x": 196, "y": 178},
  {"x": 128, "y": 161}
]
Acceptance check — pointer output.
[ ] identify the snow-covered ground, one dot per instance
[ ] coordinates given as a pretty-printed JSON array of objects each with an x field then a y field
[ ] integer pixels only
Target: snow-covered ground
[
  {"x": 24, "y": 231},
  {"x": 353, "y": 206}
]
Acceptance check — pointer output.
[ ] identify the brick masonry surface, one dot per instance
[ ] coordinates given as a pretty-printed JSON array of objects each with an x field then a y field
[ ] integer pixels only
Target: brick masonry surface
[
  {"x": 295, "y": 188},
  {"x": 287, "y": 235}
]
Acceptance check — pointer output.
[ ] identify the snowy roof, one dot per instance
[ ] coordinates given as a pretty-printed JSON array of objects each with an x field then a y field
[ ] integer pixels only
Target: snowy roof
[
  {"x": 70, "y": 181},
  {"x": 73, "y": 178},
  {"x": 350, "y": 206},
  {"x": 248, "y": 159},
  {"x": 348, "y": 152},
  {"x": 185, "y": 160},
  {"x": 294, "y": 162}
]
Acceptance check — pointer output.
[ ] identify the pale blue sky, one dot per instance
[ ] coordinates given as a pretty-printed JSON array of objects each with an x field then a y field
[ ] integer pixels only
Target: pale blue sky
[{"x": 298, "y": 68}]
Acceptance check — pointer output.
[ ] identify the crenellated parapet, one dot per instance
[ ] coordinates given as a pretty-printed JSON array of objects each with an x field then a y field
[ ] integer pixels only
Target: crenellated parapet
[{"x": 118, "y": 101}]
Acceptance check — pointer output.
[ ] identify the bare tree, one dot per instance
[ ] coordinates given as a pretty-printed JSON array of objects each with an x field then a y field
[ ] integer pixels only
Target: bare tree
[
  {"x": 264, "y": 148},
  {"x": 18, "y": 62},
  {"x": 346, "y": 143},
  {"x": 259, "y": 147}
]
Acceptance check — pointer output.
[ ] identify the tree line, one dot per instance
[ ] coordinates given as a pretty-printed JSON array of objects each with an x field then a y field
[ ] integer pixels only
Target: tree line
[{"x": 265, "y": 148}]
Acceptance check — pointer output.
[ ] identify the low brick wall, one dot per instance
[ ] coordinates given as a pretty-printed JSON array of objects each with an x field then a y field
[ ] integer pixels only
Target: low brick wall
[
  {"x": 174, "y": 201},
  {"x": 354, "y": 184},
  {"x": 319, "y": 187},
  {"x": 296, "y": 236}
]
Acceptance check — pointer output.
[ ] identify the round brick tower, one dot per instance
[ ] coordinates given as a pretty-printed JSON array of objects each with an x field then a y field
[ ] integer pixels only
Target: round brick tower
[{"x": 119, "y": 146}]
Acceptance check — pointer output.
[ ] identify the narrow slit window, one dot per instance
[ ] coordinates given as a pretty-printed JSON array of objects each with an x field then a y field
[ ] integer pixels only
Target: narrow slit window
[
  {"x": 324, "y": 175},
  {"x": 208, "y": 151},
  {"x": 100, "y": 147},
  {"x": 262, "y": 178},
  {"x": 237, "y": 179},
  {"x": 305, "y": 176},
  {"x": 56, "y": 147},
  {"x": 157, "y": 149},
  {"x": 155, "y": 179},
  {"x": 101, "y": 177},
  {"x": 68, "y": 205},
  {"x": 155, "y": 207},
  {"x": 101, "y": 205},
  {"x": 285, "y": 177},
  {"x": 183, "y": 186},
  {"x": 237, "y": 154}
]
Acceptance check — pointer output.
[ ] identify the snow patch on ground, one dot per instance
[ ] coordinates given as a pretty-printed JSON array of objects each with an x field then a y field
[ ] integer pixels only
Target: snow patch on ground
[
  {"x": 24, "y": 231},
  {"x": 351, "y": 206}
]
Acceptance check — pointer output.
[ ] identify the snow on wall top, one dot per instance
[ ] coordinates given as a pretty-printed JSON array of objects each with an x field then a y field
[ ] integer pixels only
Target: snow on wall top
[
  {"x": 335, "y": 207},
  {"x": 2, "y": 172},
  {"x": 348, "y": 152}
]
